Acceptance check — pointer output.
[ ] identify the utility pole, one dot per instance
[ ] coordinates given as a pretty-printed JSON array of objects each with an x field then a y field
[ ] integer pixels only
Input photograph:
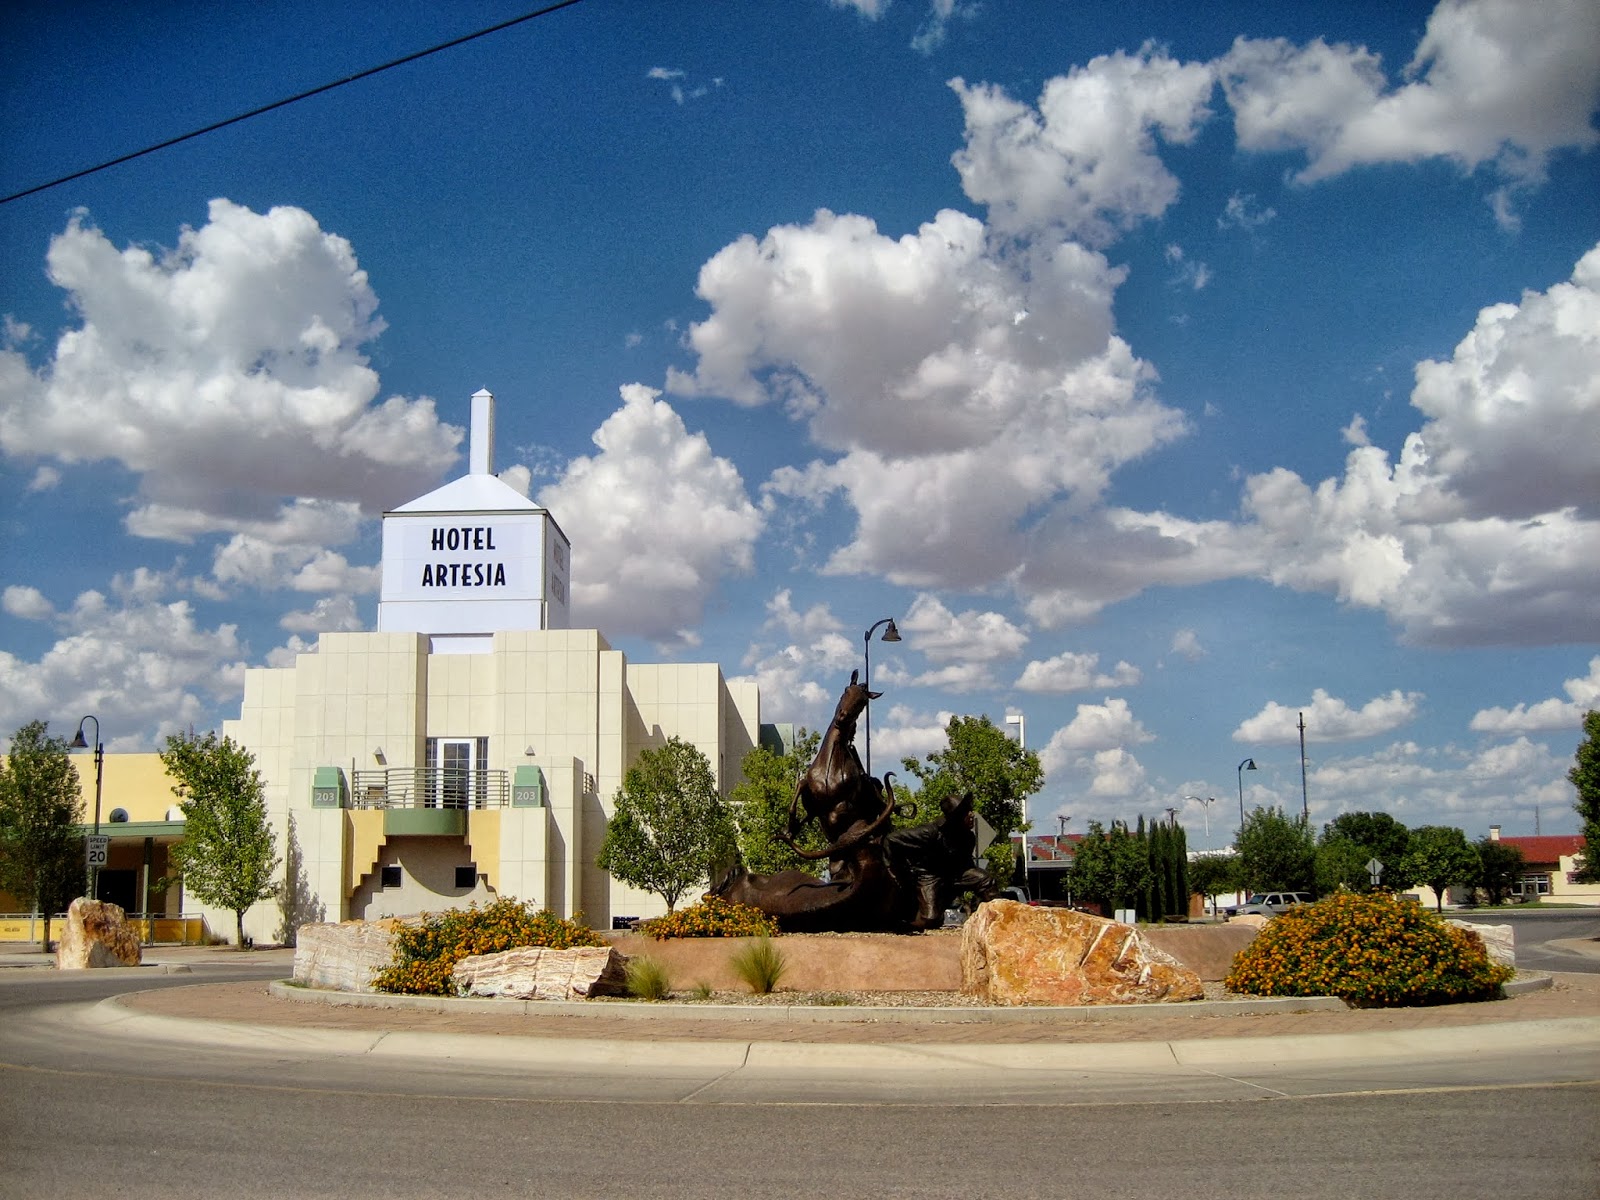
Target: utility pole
[{"x": 1305, "y": 803}]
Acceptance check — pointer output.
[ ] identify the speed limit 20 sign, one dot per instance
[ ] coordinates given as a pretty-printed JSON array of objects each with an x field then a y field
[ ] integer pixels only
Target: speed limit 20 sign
[{"x": 99, "y": 849}]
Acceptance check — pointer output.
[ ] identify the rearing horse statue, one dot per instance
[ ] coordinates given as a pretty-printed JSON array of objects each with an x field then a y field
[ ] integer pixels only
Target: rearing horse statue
[{"x": 836, "y": 792}]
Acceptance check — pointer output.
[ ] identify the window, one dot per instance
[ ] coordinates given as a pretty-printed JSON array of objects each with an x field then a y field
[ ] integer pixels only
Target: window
[
  {"x": 392, "y": 877},
  {"x": 1536, "y": 885},
  {"x": 467, "y": 876}
]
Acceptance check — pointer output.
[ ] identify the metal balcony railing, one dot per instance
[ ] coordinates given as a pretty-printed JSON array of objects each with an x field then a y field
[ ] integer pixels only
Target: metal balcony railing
[{"x": 438, "y": 787}]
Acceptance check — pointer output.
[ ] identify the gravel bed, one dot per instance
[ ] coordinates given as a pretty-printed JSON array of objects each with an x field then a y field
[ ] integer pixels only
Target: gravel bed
[{"x": 785, "y": 998}]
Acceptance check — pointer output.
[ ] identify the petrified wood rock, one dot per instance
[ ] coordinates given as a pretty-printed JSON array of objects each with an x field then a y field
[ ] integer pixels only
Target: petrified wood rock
[
  {"x": 537, "y": 973},
  {"x": 1014, "y": 953},
  {"x": 97, "y": 934},
  {"x": 1499, "y": 940},
  {"x": 344, "y": 955}
]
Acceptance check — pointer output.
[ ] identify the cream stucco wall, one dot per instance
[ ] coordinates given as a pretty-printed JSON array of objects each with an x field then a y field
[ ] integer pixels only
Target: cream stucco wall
[{"x": 560, "y": 700}]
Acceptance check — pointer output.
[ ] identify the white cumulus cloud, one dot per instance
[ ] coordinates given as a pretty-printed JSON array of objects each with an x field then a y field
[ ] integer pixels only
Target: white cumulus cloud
[
  {"x": 1069, "y": 672},
  {"x": 226, "y": 374},
  {"x": 1491, "y": 81},
  {"x": 656, "y": 520},
  {"x": 1329, "y": 719},
  {"x": 1583, "y": 694},
  {"x": 1083, "y": 163}
]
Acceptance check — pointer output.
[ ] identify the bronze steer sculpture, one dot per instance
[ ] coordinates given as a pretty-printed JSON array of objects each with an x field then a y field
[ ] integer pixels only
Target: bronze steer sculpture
[{"x": 866, "y": 890}]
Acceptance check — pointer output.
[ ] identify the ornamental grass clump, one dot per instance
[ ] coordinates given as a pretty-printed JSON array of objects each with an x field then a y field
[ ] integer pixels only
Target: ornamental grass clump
[
  {"x": 426, "y": 953},
  {"x": 712, "y": 917},
  {"x": 1372, "y": 951},
  {"x": 760, "y": 965},
  {"x": 647, "y": 978}
]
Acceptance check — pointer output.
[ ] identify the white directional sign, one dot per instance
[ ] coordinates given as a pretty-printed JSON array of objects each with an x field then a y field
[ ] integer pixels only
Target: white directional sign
[
  {"x": 1374, "y": 869},
  {"x": 98, "y": 849},
  {"x": 985, "y": 832}
]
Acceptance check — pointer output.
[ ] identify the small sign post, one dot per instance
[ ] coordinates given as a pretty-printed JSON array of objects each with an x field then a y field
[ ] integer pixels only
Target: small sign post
[
  {"x": 97, "y": 850},
  {"x": 1375, "y": 870}
]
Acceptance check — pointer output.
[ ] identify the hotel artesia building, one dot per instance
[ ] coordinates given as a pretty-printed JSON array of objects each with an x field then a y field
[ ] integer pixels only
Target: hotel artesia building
[{"x": 469, "y": 748}]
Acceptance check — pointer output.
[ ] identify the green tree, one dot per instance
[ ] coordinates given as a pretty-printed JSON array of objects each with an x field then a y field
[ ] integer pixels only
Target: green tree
[
  {"x": 669, "y": 828},
  {"x": 1438, "y": 856},
  {"x": 1277, "y": 852},
  {"x": 227, "y": 856},
  {"x": 1342, "y": 866},
  {"x": 1213, "y": 874},
  {"x": 41, "y": 850},
  {"x": 760, "y": 804},
  {"x": 1110, "y": 867},
  {"x": 1377, "y": 835},
  {"x": 981, "y": 758},
  {"x": 1500, "y": 869},
  {"x": 1585, "y": 776}
]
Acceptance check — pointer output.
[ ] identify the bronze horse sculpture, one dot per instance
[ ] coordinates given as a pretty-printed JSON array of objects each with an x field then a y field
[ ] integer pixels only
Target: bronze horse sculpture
[{"x": 877, "y": 880}]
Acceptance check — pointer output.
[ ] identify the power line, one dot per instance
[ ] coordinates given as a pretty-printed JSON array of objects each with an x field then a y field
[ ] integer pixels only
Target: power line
[{"x": 316, "y": 91}]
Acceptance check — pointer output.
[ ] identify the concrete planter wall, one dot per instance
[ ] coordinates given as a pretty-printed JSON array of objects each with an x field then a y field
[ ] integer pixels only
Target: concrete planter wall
[{"x": 887, "y": 962}]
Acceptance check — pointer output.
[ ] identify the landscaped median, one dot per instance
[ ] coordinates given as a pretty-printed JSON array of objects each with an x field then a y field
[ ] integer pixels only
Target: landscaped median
[{"x": 1369, "y": 951}]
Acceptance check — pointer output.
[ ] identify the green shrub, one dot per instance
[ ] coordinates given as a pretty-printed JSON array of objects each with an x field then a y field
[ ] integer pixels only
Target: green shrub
[
  {"x": 426, "y": 953},
  {"x": 760, "y": 964},
  {"x": 647, "y": 979},
  {"x": 1371, "y": 951},
  {"x": 712, "y": 917},
  {"x": 702, "y": 991}
]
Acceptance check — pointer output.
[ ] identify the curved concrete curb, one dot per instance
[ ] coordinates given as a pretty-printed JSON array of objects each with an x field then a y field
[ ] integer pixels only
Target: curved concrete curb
[
  {"x": 815, "y": 1014},
  {"x": 1525, "y": 982},
  {"x": 1570, "y": 1036}
]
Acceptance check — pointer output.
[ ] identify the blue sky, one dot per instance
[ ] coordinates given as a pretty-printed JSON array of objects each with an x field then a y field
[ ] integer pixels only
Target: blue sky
[{"x": 1167, "y": 371}]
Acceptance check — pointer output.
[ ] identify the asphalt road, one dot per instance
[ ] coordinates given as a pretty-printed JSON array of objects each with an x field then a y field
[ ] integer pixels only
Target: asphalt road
[
  {"x": 1537, "y": 928},
  {"x": 106, "y": 1109}
]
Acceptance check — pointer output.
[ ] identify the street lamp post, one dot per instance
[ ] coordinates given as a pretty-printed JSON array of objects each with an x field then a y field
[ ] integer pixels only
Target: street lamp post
[
  {"x": 1248, "y": 764},
  {"x": 81, "y": 743},
  {"x": 1017, "y": 719},
  {"x": 1205, "y": 804},
  {"x": 890, "y": 634}
]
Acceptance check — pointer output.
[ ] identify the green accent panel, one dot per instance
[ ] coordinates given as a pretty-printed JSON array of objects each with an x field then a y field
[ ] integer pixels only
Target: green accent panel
[
  {"x": 327, "y": 788},
  {"x": 778, "y": 739},
  {"x": 527, "y": 787},
  {"x": 123, "y": 830},
  {"x": 425, "y": 822}
]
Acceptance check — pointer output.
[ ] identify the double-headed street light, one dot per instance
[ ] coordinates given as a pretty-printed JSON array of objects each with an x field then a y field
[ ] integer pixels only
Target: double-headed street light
[
  {"x": 1017, "y": 719},
  {"x": 81, "y": 743},
  {"x": 1205, "y": 804},
  {"x": 890, "y": 634}
]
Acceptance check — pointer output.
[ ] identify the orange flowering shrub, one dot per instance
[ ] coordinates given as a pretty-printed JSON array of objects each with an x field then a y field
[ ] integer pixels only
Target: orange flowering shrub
[
  {"x": 1369, "y": 950},
  {"x": 426, "y": 954},
  {"x": 712, "y": 917}
]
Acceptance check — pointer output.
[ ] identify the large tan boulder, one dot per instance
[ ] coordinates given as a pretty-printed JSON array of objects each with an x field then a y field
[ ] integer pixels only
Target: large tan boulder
[
  {"x": 1015, "y": 953},
  {"x": 539, "y": 973},
  {"x": 96, "y": 934},
  {"x": 344, "y": 955}
]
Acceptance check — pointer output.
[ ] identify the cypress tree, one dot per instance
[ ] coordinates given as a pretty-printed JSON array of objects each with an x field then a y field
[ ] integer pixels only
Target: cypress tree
[
  {"x": 1180, "y": 862},
  {"x": 1141, "y": 838}
]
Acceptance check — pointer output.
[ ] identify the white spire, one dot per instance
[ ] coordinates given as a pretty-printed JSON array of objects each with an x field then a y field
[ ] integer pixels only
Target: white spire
[{"x": 480, "y": 451}]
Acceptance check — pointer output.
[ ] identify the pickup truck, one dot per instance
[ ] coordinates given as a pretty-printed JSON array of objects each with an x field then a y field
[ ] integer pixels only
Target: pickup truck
[{"x": 1269, "y": 904}]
